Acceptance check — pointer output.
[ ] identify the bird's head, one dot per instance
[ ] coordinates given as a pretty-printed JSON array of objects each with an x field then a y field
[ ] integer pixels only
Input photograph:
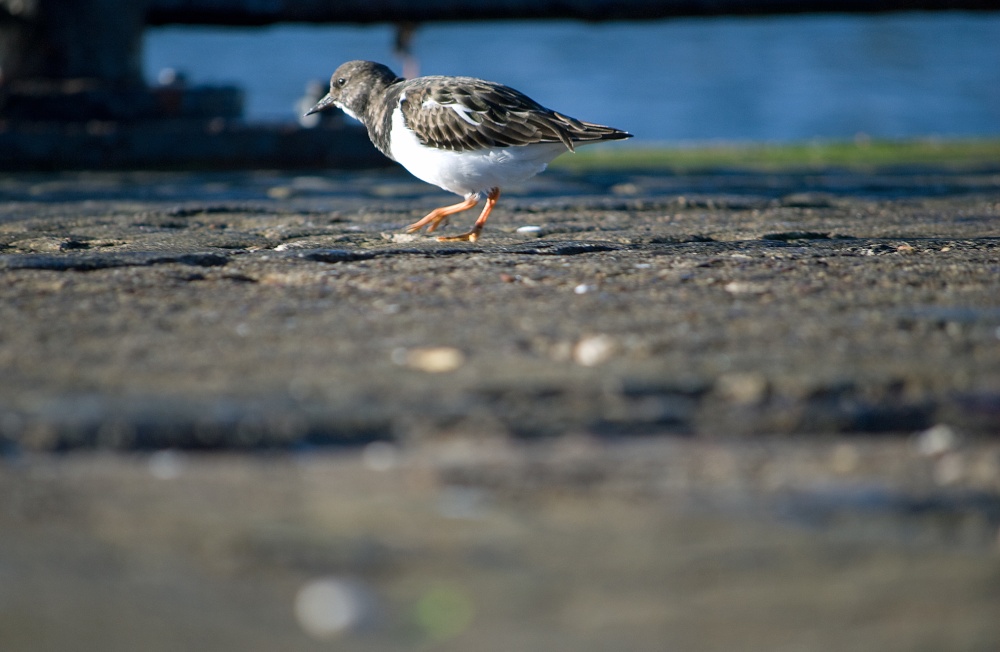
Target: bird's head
[{"x": 351, "y": 87}]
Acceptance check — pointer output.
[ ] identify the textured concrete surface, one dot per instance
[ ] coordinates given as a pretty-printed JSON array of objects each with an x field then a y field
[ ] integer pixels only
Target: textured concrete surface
[
  {"x": 260, "y": 310},
  {"x": 648, "y": 424}
]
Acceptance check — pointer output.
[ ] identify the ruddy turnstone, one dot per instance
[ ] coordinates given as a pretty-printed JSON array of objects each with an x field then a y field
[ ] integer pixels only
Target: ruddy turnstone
[{"x": 466, "y": 135}]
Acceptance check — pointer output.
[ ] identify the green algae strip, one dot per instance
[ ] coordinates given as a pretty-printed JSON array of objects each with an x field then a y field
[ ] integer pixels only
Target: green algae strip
[{"x": 860, "y": 154}]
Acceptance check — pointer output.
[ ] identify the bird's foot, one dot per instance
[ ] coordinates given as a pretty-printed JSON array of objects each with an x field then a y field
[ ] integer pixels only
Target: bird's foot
[
  {"x": 471, "y": 236},
  {"x": 439, "y": 216},
  {"x": 431, "y": 225}
]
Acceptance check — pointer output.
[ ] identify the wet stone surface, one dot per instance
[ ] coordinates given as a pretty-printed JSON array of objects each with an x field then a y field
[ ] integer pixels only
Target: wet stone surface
[{"x": 645, "y": 422}]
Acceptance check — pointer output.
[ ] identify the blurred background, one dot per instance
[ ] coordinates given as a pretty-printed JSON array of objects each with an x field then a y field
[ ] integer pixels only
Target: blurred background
[
  {"x": 223, "y": 83},
  {"x": 783, "y": 78}
]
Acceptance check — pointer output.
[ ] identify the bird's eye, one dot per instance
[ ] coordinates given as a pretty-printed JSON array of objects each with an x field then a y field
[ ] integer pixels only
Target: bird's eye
[{"x": 341, "y": 81}]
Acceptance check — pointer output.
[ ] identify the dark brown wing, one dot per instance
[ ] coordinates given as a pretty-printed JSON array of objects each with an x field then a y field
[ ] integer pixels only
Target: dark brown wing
[{"x": 462, "y": 113}]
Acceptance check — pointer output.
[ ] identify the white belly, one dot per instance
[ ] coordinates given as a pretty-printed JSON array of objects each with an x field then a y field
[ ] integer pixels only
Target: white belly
[{"x": 468, "y": 173}]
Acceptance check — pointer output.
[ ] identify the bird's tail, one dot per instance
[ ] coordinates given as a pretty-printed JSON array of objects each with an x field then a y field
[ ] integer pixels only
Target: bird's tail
[{"x": 578, "y": 131}]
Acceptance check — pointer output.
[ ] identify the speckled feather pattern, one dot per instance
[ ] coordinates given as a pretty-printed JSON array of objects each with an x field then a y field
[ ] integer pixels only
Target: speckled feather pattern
[{"x": 463, "y": 114}]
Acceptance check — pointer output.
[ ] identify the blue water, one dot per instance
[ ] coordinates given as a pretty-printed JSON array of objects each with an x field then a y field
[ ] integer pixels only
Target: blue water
[{"x": 761, "y": 79}]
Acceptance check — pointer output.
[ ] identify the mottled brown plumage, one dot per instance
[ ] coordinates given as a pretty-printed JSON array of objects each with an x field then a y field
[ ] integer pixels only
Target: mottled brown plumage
[{"x": 488, "y": 115}]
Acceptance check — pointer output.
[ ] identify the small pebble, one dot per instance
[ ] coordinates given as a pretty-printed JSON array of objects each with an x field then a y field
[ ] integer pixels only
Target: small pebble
[
  {"x": 166, "y": 464},
  {"x": 434, "y": 360},
  {"x": 625, "y": 189},
  {"x": 743, "y": 388},
  {"x": 593, "y": 350},
  {"x": 380, "y": 456},
  {"x": 740, "y": 287},
  {"x": 280, "y": 192},
  {"x": 401, "y": 237},
  {"x": 583, "y": 288},
  {"x": 329, "y": 607},
  {"x": 529, "y": 230},
  {"x": 937, "y": 440}
]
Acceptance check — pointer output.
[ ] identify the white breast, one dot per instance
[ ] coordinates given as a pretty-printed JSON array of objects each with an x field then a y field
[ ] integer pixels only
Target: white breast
[
  {"x": 468, "y": 173},
  {"x": 346, "y": 110}
]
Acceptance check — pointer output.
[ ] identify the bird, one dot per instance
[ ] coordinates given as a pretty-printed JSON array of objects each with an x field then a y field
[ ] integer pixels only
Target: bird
[{"x": 466, "y": 135}]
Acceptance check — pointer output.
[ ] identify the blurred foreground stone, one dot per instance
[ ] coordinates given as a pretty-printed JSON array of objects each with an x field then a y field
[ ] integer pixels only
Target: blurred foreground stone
[{"x": 476, "y": 544}]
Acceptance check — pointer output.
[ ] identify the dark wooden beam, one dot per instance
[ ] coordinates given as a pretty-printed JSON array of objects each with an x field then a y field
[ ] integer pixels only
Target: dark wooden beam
[
  {"x": 56, "y": 39},
  {"x": 255, "y": 12}
]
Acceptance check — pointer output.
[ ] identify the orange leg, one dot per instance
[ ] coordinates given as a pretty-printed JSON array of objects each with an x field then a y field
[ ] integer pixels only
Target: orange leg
[
  {"x": 435, "y": 217},
  {"x": 473, "y": 235}
]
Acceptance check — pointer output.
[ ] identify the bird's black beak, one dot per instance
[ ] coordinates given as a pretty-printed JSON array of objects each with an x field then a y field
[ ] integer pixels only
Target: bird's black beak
[{"x": 322, "y": 105}]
